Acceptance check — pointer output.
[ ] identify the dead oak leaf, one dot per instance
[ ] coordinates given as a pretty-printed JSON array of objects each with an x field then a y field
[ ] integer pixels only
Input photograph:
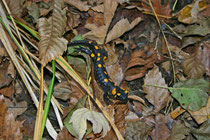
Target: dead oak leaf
[{"x": 155, "y": 95}]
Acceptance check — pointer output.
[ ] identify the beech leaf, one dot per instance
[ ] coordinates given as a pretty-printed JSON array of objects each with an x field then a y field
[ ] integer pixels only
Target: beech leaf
[
  {"x": 52, "y": 44},
  {"x": 79, "y": 121},
  {"x": 193, "y": 68},
  {"x": 156, "y": 96}
]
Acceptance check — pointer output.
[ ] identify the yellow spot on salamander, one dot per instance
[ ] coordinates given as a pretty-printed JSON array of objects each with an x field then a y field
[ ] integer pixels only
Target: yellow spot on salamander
[
  {"x": 99, "y": 54},
  {"x": 105, "y": 58},
  {"x": 118, "y": 94},
  {"x": 98, "y": 59},
  {"x": 96, "y": 47},
  {"x": 92, "y": 55},
  {"x": 115, "y": 84},
  {"x": 110, "y": 80},
  {"x": 104, "y": 66},
  {"x": 105, "y": 80},
  {"x": 99, "y": 65},
  {"x": 126, "y": 91},
  {"x": 113, "y": 91},
  {"x": 115, "y": 96},
  {"x": 90, "y": 42},
  {"x": 105, "y": 72}
]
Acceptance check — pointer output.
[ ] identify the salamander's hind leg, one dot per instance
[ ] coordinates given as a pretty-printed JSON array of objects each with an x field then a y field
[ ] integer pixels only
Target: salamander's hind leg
[
  {"x": 106, "y": 99},
  {"x": 83, "y": 50}
]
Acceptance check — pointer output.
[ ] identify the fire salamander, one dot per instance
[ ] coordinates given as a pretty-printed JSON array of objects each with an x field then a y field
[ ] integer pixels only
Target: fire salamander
[{"x": 99, "y": 55}]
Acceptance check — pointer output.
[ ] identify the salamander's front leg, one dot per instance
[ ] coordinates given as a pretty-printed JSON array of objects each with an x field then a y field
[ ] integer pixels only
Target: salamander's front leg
[{"x": 106, "y": 99}]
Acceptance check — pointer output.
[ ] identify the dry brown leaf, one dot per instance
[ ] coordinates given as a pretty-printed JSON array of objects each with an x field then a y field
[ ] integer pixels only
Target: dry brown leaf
[
  {"x": 190, "y": 12},
  {"x": 121, "y": 27},
  {"x": 193, "y": 68},
  {"x": 5, "y": 77},
  {"x": 8, "y": 90},
  {"x": 95, "y": 18},
  {"x": 156, "y": 96},
  {"x": 203, "y": 54},
  {"x": 76, "y": 93},
  {"x": 160, "y": 9},
  {"x": 9, "y": 128},
  {"x": 201, "y": 115},
  {"x": 16, "y": 7},
  {"x": 82, "y": 6},
  {"x": 139, "y": 63},
  {"x": 51, "y": 30},
  {"x": 62, "y": 90},
  {"x": 98, "y": 8},
  {"x": 179, "y": 131},
  {"x": 99, "y": 33},
  {"x": 161, "y": 131},
  {"x": 16, "y": 108}
]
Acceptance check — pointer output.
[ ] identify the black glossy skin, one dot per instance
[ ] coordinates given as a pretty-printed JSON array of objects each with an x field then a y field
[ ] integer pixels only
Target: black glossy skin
[{"x": 99, "y": 55}]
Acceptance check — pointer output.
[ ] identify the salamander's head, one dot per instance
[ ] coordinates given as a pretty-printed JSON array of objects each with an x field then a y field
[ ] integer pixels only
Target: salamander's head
[{"x": 121, "y": 95}]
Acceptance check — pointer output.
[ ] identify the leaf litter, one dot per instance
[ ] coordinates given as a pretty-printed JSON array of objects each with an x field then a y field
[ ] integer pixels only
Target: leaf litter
[{"x": 174, "y": 103}]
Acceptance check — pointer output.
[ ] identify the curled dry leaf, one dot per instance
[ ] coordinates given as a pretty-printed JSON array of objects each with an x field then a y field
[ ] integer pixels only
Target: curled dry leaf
[
  {"x": 120, "y": 28},
  {"x": 52, "y": 44},
  {"x": 156, "y": 96},
  {"x": 81, "y": 116},
  {"x": 139, "y": 63},
  {"x": 193, "y": 68}
]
